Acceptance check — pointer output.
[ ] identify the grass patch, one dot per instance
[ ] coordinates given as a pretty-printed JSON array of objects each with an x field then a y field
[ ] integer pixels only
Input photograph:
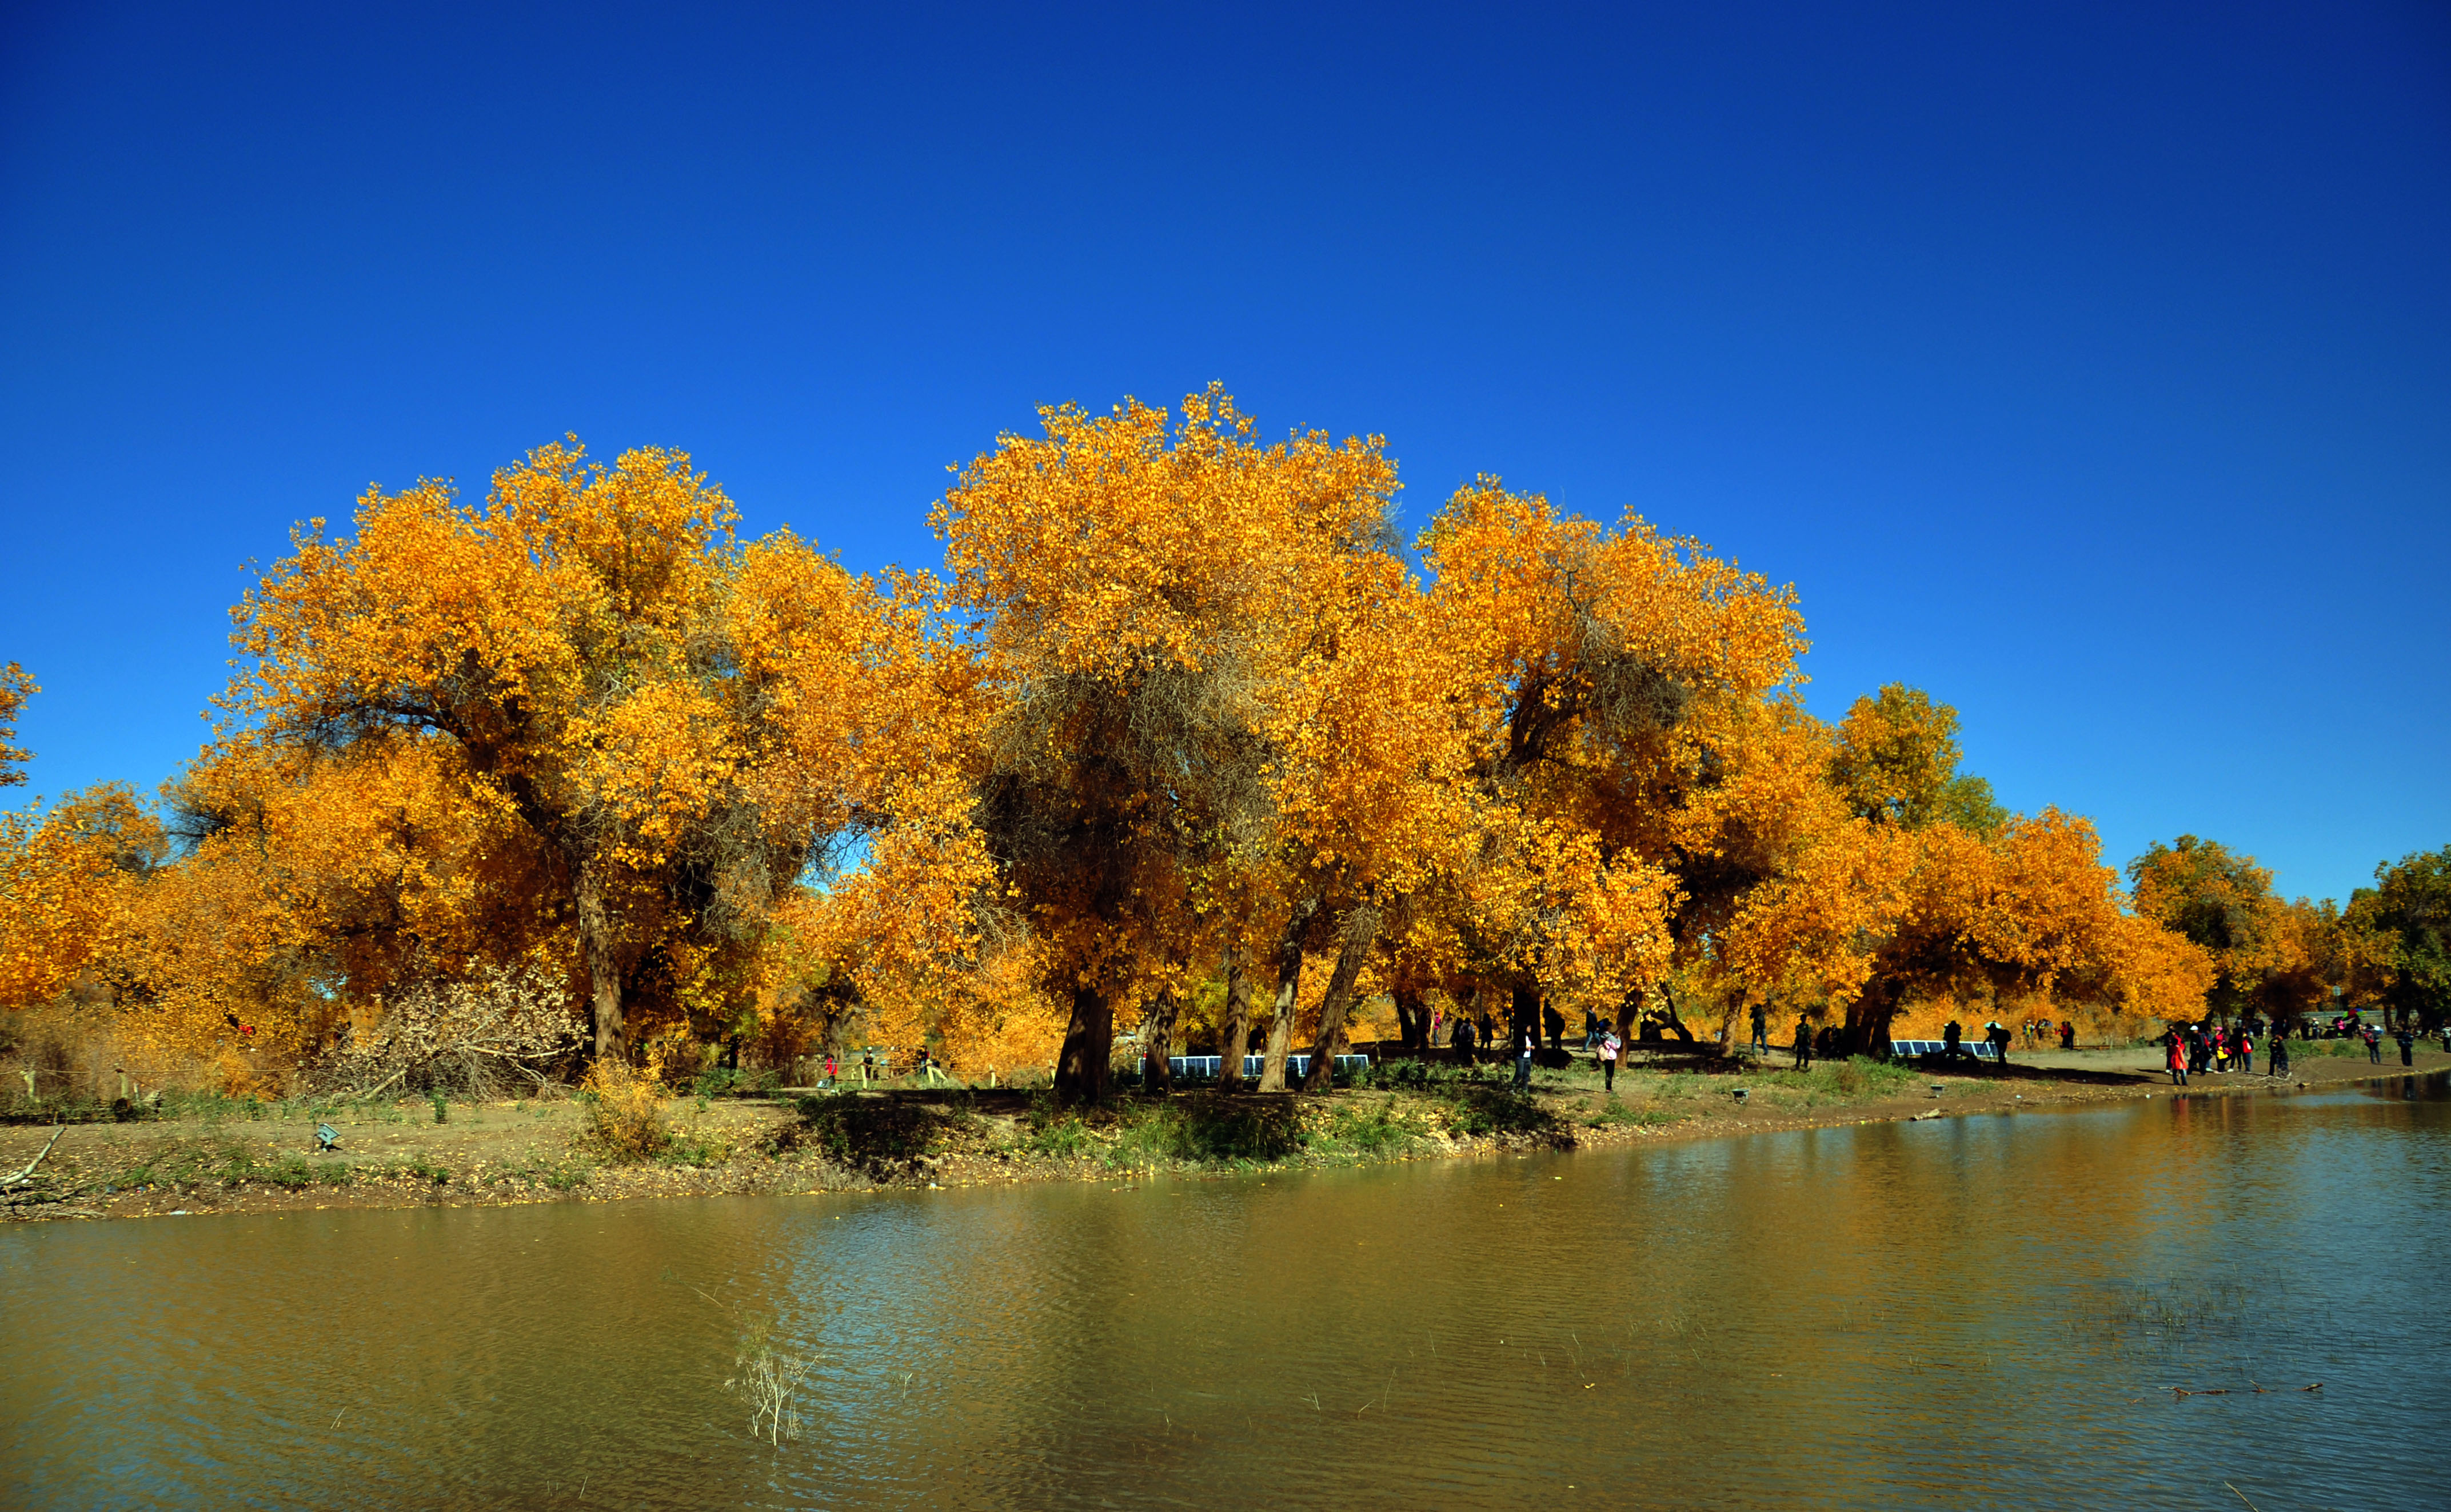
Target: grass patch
[
  {"x": 296, "y": 1173},
  {"x": 1859, "y": 1079},
  {"x": 2344, "y": 1049},
  {"x": 1617, "y": 1113},
  {"x": 1197, "y": 1131},
  {"x": 873, "y": 1134},
  {"x": 1479, "y": 1102}
]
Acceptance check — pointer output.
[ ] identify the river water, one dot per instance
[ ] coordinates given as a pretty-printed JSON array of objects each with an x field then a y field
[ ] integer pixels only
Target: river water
[{"x": 1983, "y": 1311}]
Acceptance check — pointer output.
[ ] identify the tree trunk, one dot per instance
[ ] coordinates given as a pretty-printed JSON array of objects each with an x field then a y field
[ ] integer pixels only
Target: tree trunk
[
  {"x": 1360, "y": 934},
  {"x": 1676, "y": 1021},
  {"x": 1526, "y": 1016},
  {"x": 1412, "y": 1020},
  {"x": 1289, "y": 964},
  {"x": 1158, "y": 1042},
  {"x": 1088, "y": 1047},
  {"x": 1627, "y": 1012},
  {"x": 1238, "y": 1019},
  {"x": 603, "y": 971},
  {"x": 1868, "y": 1018}
]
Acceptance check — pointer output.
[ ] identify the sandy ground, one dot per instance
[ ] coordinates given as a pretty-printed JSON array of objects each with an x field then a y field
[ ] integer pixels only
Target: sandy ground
[{"x": 395, "y": 1155}]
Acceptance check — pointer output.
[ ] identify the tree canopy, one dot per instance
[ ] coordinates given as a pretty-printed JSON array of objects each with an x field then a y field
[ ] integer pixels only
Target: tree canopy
[{"x": 1186, "y": 737}]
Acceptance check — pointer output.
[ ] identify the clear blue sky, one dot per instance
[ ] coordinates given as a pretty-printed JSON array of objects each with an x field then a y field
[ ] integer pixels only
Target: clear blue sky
[{"x": 2088, "y": 366}]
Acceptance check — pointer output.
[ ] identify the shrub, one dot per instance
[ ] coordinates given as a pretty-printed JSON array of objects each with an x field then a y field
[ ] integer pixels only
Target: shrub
[
  {"x": 483, "y": 1036},
  {"x": 623, "y": 1113}
]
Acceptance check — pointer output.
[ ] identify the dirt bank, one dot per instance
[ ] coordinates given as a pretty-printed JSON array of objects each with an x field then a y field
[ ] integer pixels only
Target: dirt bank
[{"x": 261, "y": 1158}]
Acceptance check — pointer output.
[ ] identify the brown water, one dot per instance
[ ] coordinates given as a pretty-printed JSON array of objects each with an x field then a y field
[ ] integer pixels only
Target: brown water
[{"x": 1972, "y": 1312}]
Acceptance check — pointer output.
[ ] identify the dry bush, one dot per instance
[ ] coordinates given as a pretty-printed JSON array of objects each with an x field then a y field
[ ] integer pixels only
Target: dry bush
[
  {"x": 503, "y": 1031},
  {"x": 624, "y": 1112},
  {"x": 70, "y": 1053}
]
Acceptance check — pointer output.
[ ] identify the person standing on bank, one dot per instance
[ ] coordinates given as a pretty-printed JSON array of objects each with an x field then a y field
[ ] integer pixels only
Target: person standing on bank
[
  {"x": 1803, "y": 1046},
  {"x": 1609, "y": 1048},
  {"x": 2407, "y": 1045},
  {"x": 2277, "y": 1052},
  {"x": 1526, "y": 1043},
  {"x": 2374, "y": 1045},
  {"x": 1761, "y": 1029},
  {"x": 2178, "y": 1059}
]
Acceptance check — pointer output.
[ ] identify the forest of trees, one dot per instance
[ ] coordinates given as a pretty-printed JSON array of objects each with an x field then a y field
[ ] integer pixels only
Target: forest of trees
[{"x": 1182, "y": 740}]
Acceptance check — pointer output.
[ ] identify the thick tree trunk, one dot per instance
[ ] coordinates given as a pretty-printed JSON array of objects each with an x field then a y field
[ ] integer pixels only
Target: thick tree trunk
[
  {"x": 1360, "y": 935},
  {"x": 1158, "y": 1040},
  {"x": 1238, "y": 1019},
  {"x": 1627, "y": 1012},
  {"x": 1526, "y": 1015},
  {"x": 1281, "y": 1035},
  {"x": 603, "y": 969},
  {"x": 1290, "y": 964},
  {"x": 1088, "y": 1048},
  {"x": 1867, "y": 1019},
  {"x": 1412, "y": 1020}
]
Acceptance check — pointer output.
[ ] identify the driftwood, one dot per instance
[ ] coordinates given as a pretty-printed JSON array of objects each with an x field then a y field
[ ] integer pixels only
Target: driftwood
[
  {"x": 28, "y": 1174},
  {"x": 381, "y": 1085}
]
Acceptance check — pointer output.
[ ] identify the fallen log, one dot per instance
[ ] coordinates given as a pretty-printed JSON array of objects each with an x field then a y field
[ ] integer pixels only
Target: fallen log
[{"x": 27, "y": 1174}]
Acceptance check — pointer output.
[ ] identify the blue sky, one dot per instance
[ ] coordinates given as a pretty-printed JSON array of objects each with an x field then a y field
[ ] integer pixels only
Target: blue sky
[{"x": 2088, "y": 366}]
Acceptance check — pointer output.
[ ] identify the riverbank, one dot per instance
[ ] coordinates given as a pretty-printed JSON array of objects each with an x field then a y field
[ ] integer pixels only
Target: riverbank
[{"x": 255, "y": 1158}]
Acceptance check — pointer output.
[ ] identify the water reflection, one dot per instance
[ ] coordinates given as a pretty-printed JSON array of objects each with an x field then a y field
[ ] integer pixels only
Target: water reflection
[{"x": 1968, "y": 1311}]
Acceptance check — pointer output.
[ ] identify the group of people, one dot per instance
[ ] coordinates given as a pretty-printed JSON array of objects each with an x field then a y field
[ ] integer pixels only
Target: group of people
[
  {"x": 2196, "y": 1049},
  {"x": 2208, "y": 1047}
]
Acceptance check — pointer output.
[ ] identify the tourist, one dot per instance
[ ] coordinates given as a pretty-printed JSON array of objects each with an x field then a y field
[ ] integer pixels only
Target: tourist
[
  {"x": 1952, "y": 1036},
  {"x": 1555, "y": 1022},
  {"x": 2067, "y": 1034},
  {"x": 1463, "y": 1041},
  {"x": 1527, "y": 1045},
  {"x": 2374, "y": 1045},
  {"x": 2278, "y": 1049},
  {"x": 1803, "y": 1045},
  {"x": 2245, "y": 1052},
  {"x": 1609, "y": 1048},
  {"x": 2178, "y": 1059},
  {"x": 1762, "y": 1030},
  {"x": 833, "y": 1065},
  {"x": 1999, "y": 1038},
  {"x": 2407, "y": 1039}
]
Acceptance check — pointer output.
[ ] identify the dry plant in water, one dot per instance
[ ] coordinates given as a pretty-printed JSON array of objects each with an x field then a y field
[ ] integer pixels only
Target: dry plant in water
[{"x": 770, "y": 1380}]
